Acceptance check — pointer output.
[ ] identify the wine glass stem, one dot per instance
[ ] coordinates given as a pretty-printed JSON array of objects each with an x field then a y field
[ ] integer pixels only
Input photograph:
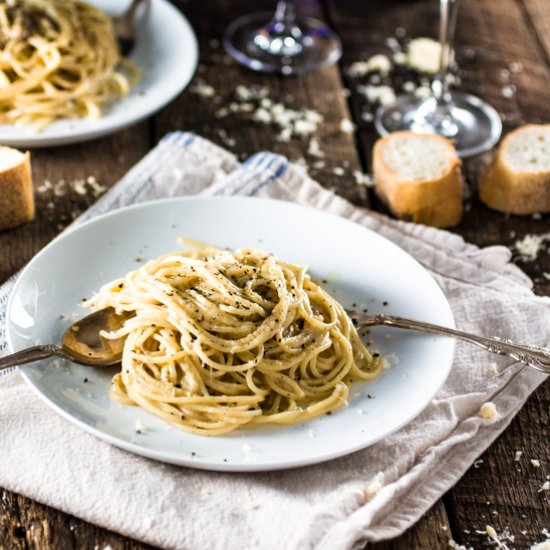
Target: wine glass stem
[
  {"x": 440, "y": 85},
  {"x": 285, "y": 13}
]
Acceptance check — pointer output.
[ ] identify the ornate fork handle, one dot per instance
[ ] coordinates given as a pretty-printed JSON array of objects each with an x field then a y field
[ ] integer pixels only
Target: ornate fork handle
[
  {"x": 534, "y": 356},
  {"x": 31, "y": 354}
]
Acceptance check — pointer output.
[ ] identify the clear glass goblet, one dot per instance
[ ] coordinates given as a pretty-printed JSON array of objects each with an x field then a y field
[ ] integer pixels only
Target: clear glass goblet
[
  {"x": 470, "y": 122},
  {"x": 284, "y": 42}
]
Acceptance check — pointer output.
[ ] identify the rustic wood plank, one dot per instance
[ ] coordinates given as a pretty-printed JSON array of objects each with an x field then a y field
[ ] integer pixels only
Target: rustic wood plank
[
  {"x": 27, "y": 525},
  {"x": 320, "y": 91},
  {"x": 538, "y": 17}
]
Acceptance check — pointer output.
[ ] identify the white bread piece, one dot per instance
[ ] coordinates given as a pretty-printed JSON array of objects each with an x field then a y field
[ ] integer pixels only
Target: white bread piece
[
  {"x": 16, "y": 191},
  {"x": 518, "y": 179},
  {"x": 419, "y": 177}
]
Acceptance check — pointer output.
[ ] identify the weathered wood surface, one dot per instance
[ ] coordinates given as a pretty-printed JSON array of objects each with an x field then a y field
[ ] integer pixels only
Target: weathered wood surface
[{"x": 500, "y": 491}]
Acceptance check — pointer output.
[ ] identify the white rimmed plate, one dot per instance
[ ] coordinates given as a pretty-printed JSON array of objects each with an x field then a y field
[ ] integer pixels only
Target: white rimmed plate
[
  {"x": 364, "y": 270},
  {"x": 166, "y": 51}
]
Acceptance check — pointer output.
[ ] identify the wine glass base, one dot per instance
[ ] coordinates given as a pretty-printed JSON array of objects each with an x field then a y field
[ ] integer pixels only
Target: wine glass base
[
  {"x": 253, "y": 41},
  {"x": 473, "y": 125}
]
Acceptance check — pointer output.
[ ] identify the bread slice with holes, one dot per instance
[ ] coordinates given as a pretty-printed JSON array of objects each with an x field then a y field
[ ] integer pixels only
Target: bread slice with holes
[
  {"x": 419, "y": 177},
  {"x": 518, "y": 179},
  {"x": 16, "y": 191}
]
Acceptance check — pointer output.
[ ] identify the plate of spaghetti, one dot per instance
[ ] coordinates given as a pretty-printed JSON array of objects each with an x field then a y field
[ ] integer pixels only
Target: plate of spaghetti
[
  {"x": 238, "y": 351},
  {"x": 63, "y": 79}
]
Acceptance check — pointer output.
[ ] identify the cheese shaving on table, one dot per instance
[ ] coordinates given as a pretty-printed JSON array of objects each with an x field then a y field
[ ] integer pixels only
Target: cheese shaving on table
[
  {"x": 530, "y": 246},
  {"x": 374, "y": 487},
  {"x": 488, "y": 411},
  {"x": 423, "y": 55},
  {"x": 377, "y": 63}
]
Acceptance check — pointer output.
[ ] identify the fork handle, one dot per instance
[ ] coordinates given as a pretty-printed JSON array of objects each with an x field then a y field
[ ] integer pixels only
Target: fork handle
[
  {"x": 29, "y": 355},
  {"x": 534, "y": 356}
]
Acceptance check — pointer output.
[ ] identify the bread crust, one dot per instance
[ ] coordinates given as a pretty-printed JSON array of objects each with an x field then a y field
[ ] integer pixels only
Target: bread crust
[
  {"x": 436, "y": 202},
  {"x": 16, "y": 194},
  {"x": 506, "y": 190}
]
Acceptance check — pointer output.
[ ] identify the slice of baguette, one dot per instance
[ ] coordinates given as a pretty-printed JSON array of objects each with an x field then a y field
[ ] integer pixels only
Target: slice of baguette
[
  {"x": 419, "y": 177},
  {"x": 518, "y": 179},
  {"x": 16, "y": 191}
]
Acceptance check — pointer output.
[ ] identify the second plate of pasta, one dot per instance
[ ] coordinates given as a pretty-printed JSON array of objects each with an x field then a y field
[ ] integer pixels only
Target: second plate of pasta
[
  {"x": 63, "y": 80},
  {"x": 248, "y": 333}
]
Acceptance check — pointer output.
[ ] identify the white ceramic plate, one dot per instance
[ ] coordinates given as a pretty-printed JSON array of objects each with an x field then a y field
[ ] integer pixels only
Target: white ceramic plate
[
  {"x": 361, "y": 267},
  {"x": 166, "y": 52}
]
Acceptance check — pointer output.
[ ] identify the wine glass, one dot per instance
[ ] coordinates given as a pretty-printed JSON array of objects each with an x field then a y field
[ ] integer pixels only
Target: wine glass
[
  {"x": 284, "y": 43},
  {"x": 472, "y": 124}
]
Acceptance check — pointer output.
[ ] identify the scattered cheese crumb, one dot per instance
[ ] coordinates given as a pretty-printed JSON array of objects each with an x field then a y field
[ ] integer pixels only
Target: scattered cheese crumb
[
  {"x": 314, "y": 149},
  {"x": 530, "y": 246},
  {"x": 347, "y": 126},
  {"x": 377, "y": 63},
  {"x": 493, "y": 368},
  {"x": 518, "y": 455},
  {"x": 338, "y": 171},
  {"x": 535, "y": 462},
  {"x": 508, "y": 91},
  {"x": 544, "y": 487},
  {"x": 400, "y": 58},
  {"x": 374, "y": 487},
  {"x": 488, "y": 411},
  {"x": 291, "y": 122},
  {"x": 455, "y": 546},
  {"x": 384, "y": 95},
  {"x": 424, "y": 54},
  {"x": 203, "y": 89},
  {"x": 139, "y": 427},
  {"x": 363, "y": 179}
]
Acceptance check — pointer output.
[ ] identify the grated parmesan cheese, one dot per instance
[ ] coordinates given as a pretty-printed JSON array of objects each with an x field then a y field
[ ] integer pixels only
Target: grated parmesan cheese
[
  {"x": 518, "y": 455},
  {"x": 455, "y": 546},
  {"x": 423, "y": 55},
  {"x": 374, "y": 487},
  {"x": 384, "y": 95},
  {"x": 363, "y": 179},
  {"x": 139, "y": 427},
  {"x": 314, "y": 149},
  {"x": 202, "y": 89},
  {"x": 530, "y": 246},
  {"x": 488, "y": 411},
  {"x": 347, "y": 126},
  {"x": 377, "y": 63},
  {"x": 535, "y": 462},
  {"x": 544, "y": 487}
]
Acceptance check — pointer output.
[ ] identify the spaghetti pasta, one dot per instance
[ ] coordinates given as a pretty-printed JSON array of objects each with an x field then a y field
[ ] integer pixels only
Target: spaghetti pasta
[
  {"x": 59, "y": 59},
  {"x": 220, "y": 340}
]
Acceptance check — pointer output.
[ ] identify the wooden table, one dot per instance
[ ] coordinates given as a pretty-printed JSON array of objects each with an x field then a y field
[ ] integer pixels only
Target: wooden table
[{"x": 491, "y": 35}]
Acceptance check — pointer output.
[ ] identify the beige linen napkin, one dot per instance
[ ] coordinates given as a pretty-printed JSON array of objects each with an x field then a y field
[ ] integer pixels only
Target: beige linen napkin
[{"x": 328, "y": 506}]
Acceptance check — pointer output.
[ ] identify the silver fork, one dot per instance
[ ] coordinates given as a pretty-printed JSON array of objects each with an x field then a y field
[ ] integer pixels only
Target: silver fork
[
  {"x": 124, "y": 25},
  {"x": 533, "y": 356}
]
